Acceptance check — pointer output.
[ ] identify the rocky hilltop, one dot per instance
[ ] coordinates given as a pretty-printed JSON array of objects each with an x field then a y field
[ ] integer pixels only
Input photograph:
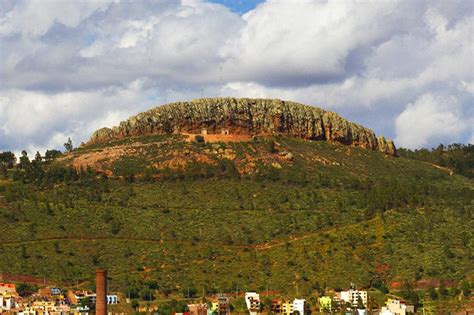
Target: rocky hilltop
[{"x": 246, "y": 116}]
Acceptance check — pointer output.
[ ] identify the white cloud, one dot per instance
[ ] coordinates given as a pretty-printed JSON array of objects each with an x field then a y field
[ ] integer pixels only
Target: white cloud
[
  {"x": 35, "y": 17},
  {"x": 43, "y": 120},
  {"x": 431, "y": 119},
  {"x": 68, "y": 67}
]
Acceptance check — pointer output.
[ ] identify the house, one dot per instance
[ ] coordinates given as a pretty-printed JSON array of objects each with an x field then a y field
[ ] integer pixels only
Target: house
[
  {"x": 55, "y": 291},
  {"x": 225, "y": 132},
  {"x": 49, "y": 292},
  {"x": 277, "y": 306},
  {"x": 76, "y": 296},
  {"x": 7, "y": 288},
  {"x": 287, "y": 308},
  {"x": 252, "y": 300},
  {"x": 197, "y": 309},
  {"x": 325, "y": 303},
  {"x": 299, "y": 305},
  {"x": 204, "y": 131},
  {"x": 352, "y": 296},
  {"x": 223, "y": 305},
  {"x": 7, "y": 302},
  {"x": 213, "y": 308},
  {"x": 396, "y": 307}
]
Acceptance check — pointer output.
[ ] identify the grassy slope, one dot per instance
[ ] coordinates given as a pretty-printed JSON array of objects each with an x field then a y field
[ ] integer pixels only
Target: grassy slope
[{"x": 285, "y": 228}]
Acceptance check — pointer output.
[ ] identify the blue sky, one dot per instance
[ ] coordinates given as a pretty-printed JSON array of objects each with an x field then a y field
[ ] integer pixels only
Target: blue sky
[
  {"x": 239, "y": 6},
  {"x": 403, "y": 68}
]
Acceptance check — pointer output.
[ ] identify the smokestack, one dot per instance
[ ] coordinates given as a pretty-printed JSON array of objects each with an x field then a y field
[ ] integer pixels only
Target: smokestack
[{"x": 101, "y": 292}]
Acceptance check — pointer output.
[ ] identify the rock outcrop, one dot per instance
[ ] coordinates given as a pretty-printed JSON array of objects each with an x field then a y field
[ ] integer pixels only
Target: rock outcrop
[{"x": 246, "y": 116}]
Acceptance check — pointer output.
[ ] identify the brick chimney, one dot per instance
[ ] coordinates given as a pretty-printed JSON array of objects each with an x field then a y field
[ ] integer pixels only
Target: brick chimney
[{"x": 101, "y": 292}]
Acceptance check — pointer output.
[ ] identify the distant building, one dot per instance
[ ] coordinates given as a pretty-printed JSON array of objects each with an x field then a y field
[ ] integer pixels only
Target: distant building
[
  {"x": 325, "y": 303},
  {"x": 7, "y": 302},
  {"x": 287, "y": 308},
  {"x": 277, "y": 306},
  {"x": 76, "y": 296},
  {"x": 55, "y": 291},
  {"x": 197, "y": 309},
  {"x": 7, "y": 288},
  {"x": 214, "y": 308},
  {"x": 221, "y": 307},
  {"x": 396, "y": 307},
  {"x": 252, "y": 300},
  {"x": 225, "y": 132},
  {"x": 49, "y": 292},
  {"x": 352, "y": 296},
  {"x": 204, "y": 131},
  {"x": 224, "y": 305},
  {"x": 299, "y": 305}
]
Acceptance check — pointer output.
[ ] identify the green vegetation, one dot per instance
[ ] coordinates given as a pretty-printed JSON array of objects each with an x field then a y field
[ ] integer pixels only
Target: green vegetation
[
  {"x": 326, "y": 216},
  {"x": 456, "y": 156}
]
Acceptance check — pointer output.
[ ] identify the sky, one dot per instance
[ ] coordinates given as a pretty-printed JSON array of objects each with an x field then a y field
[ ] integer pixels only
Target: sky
[{"x": 403, "y": 68}]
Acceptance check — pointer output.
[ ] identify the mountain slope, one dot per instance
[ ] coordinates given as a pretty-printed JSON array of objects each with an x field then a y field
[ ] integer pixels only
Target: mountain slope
[{"x": 267, "y": 210}]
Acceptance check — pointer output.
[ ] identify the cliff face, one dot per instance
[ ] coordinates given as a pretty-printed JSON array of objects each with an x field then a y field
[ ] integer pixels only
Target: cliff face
[{"x": 247, "y": 116}]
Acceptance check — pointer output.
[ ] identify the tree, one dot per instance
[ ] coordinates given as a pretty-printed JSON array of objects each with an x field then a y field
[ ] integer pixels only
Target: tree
[
  {"x": 38, "y": 157},
  {"x": 135, "y": 304},
  {"x": 146, "y": 294},
  {"x": 442, "y": 289},
  {"x": 24, "y": 160},
  {"x": 466, "y": 289},
  {"x": 272, "y": 147},
  {"x": 189, "y": 292},
  {"x": 51, "y": 155},
  {"x": 87, "y": 302},
  {"x": 408, "y": 292},
  {"x": 7, "y": 159},
  {"x": 68, "y": 145},
  {"x": 360, "y": 303},
  {"x": 432, "y": 293},
  {"x": 199, "y": 139}
]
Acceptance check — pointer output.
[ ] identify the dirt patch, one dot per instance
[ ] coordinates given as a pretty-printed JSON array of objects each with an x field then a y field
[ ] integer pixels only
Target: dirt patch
[{"x": 97, "y": 160}]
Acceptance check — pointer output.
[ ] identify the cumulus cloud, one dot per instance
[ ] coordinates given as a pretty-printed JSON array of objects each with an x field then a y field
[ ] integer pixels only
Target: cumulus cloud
[
  {"x": 70, "y": 67},
  {"x": 430, "y": 117}
]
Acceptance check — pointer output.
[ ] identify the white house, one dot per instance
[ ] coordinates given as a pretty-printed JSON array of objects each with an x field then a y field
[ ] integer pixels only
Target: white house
[
  {"x": 7, "y": 302},
  {"x": 299, "y": 306},
  {"x": 352, "y": 296},
  {"x": 394, "y": 307},
  {"x": 252, "y": 300}
]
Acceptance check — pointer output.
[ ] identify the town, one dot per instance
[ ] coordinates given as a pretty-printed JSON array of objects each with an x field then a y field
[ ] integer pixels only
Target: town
[{"x": 49, "y": 300}]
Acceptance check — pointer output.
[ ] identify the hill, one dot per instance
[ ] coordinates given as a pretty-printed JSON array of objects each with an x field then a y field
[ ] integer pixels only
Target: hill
[
  {"x": 244, "y": 116},
  {"x": 246, "y": 210}
]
